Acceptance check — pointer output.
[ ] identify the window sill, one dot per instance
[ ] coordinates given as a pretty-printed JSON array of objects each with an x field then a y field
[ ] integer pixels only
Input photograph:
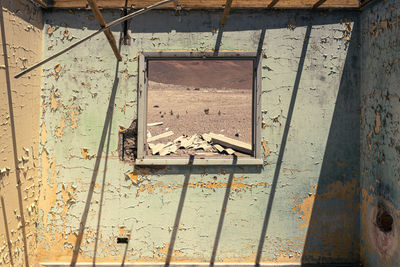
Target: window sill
[{"x": 199, "y": 161}]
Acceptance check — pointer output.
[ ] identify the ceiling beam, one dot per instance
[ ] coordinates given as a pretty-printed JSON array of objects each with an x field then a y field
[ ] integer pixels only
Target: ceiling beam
[
  {"x": 208, "y": 4},
  {"x": 102, "y": 23},
  {"x": 227, "y": 10},
  {"x": 317, "y": 4},
  {"x": 40, "y": 2}
]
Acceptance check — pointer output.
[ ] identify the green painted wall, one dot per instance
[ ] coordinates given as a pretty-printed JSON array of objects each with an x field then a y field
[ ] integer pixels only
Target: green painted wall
[
  {"x": 301, "y": 206},
  {"x": 380, "y": 139}
]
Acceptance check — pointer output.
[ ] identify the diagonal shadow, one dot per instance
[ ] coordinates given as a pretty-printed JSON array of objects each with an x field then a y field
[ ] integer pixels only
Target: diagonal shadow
[
  {"x": 283, "y": 145},
  {"x": 219, "y": 40},
  {"x": 96, "y": 240},
  {"x": 179, "y": 212},
  {"x": 3, "y": 207},
  {"x": 13, "y": 134},
  {"x": 223, "y": 212},
  {"x": 107, "y": 126},
  {"x": 229, "y": 185}
]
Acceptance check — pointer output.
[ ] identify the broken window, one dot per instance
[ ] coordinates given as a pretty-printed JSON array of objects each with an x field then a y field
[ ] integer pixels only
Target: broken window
[{"x": 197, "y": 108}]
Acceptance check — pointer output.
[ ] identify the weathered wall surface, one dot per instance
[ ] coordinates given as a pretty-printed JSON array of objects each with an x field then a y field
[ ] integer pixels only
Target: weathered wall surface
[
  {"x": 21, "y": 45},
  {"x": 380, "y": 139},
  {"x": 301, "y": 206}
]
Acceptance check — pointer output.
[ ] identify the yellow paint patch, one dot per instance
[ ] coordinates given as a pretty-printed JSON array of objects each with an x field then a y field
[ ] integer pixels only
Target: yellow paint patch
[
  {"x": 59, "y": 130},
  {"x": 53, "y": 103},
  {"x": 133, "y": 176},
  {"x": 50, "y": 30},
  {"x": 73, "y": 119},
  {"x": 266, "y": 149},
  {"x": 43, "y": 134},
  {"x": 57, "y": 68}
]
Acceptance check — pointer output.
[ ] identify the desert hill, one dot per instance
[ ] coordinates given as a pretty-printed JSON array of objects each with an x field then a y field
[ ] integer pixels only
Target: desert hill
[{"x": 236, "y": 74}]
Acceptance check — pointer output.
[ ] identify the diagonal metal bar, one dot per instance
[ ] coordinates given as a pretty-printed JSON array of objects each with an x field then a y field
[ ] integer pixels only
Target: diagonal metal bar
[
  {"x": 317, "y": 4},
  {"x": 110, "y": 37},
  {"x": 111, "y": 24},
  {"x": 227, "y": 9}
]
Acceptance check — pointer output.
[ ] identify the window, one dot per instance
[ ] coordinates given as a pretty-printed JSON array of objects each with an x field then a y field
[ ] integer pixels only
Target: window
[{"x": 196, "y": 108}]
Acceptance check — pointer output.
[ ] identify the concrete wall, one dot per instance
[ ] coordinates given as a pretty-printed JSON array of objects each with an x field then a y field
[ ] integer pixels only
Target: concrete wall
[
  {"x": 380, "y": 139},
  {"x": 301, "y": 206},
  {"x": 21, "y": 44}
]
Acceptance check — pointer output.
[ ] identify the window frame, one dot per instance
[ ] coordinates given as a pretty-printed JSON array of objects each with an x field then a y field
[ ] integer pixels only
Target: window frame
[{"x": 143, "y": 159}]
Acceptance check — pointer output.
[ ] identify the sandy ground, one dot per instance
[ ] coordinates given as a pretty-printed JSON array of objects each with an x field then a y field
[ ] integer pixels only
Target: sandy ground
[{"x": 193, "y": 110}]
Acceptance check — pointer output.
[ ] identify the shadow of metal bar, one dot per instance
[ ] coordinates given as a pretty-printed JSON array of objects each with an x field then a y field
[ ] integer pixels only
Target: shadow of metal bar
[
  {"x": 3, "y": 207},
  {"x": 179, "y": 212},
  {"x": 107, "y": 124},
  {"x": 96, "y": 240},
  {"x": 13, "y": 134},
  {"x": 283, "y": 145},
  {"x": 222, "y": 214}
]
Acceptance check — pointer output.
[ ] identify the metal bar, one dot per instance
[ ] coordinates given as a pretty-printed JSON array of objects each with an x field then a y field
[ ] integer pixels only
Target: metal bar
[
  {"x": 227, "y": 9},
  {"x": 102, "y": 23},
  {"x": 317, "y": 4},
  {"x": 113, "y": 23},
  {"x": 273, "y": 3}
]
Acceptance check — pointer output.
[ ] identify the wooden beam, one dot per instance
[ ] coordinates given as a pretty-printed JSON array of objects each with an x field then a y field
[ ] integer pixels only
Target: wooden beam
[
  {"x": 40, "y": 2},
  {"x": 90, "y": 36},
  {"x": 227, "y": 10},
  {"x": 207, "y": 4},
  {"x": 273, "y": 3},
  {"x": 365, "y": 2},
  {"x": 317, "y": 4},
  {"x": 108, "y": 33}
]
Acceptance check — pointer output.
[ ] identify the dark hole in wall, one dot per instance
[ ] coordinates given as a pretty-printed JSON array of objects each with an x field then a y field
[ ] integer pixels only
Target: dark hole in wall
[
  {"x": 127, "y": 143},
  {"x": 384, "y": 220},
  {"x": 122, "y": 240}
]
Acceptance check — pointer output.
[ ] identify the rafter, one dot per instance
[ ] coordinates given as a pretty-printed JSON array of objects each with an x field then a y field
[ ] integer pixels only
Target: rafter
[
  {"x": 227, "y": 10},
  {"x": 317, "y": 4},
  {"x": 273, "y": 3},
  {"x": 102, "y": 23}
]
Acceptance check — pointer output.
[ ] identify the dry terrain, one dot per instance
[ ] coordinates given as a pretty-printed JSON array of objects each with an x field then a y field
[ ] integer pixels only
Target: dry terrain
[{"x": 193, "y": 110}]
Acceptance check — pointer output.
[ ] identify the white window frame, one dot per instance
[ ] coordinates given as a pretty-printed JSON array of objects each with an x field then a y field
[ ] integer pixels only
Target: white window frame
[{"x": 143, "y": 159}]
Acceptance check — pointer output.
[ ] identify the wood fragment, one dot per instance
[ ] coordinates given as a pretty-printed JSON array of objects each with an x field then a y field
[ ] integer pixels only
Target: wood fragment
[
  {"x": 231, "y": 143},
  {"x": 230, "y": 151},
  {"x": 156, "y": 148},
  {"x": 154, "y": 124},
  {"x": 227, "y": 10},
  {"x": 206, "y": 137},
  {"x": 160, "y": 136},
  {"x": 188, "y": 142},
  {"x": 219, "y": 148}
]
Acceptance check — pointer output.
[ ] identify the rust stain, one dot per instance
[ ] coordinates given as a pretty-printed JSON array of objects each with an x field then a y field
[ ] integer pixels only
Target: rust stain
[{"x": 377, "y": 123}]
